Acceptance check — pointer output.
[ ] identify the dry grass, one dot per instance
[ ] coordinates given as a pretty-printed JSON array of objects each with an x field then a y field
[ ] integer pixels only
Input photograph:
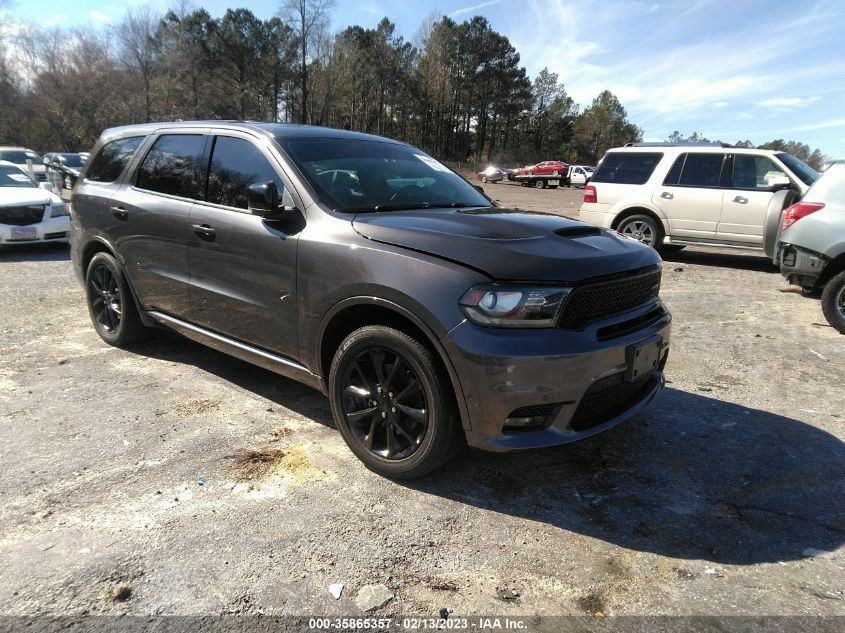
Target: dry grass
[
  {"x": 292, "y": 464},
  {"x": 119, "y": 593}
]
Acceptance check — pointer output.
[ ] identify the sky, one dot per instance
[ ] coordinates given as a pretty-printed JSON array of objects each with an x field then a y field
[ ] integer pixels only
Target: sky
[{"x": 732, "y": 70}]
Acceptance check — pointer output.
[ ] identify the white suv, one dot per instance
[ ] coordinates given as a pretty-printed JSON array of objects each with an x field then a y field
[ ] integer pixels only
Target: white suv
[{"x": 670, "y": 195}]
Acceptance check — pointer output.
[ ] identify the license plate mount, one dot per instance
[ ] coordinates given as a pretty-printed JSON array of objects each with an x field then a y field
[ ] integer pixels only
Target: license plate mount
[
  {"x": 643, "y": 357},
  {"x": 23, "y": 233}
]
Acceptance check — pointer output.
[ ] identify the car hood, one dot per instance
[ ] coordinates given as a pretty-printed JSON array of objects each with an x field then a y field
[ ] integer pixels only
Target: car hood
[
  {"x": 510, "y": 244},
  {"x": 16, "y": 196}
]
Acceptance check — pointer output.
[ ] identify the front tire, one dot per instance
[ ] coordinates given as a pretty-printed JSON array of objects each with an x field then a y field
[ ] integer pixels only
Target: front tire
[
  {"x": 393, "y": 404},
  {"x": 643, "y": 228},
  {"x": 540, "y": 184},
  {"x": 833, "y": 302},
  {"x": 110, "y": 302}
]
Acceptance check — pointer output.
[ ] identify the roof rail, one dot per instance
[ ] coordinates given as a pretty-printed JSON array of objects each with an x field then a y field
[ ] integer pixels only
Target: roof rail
[{"x": 679, "y": 144}]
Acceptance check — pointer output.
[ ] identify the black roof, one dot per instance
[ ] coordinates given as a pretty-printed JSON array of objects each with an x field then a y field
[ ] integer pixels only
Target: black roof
[{"x": 274, "y": 130}]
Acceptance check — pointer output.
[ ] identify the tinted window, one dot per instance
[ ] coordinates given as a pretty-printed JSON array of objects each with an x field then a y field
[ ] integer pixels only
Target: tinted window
[
  {"x": 754, "y": 172},
  {"x": 113, "y": 157},
  {"x": 172, "y": 165},
  {"x": 627, "y": 168},
  {"x": 701, "y": 170},
  {"x": 674, "y": 175},
  {"x": 357, "y": 175},
  {"x": 235, "y": 165}
]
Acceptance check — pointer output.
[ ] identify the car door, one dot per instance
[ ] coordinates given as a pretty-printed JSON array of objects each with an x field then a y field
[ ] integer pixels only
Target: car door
[
  {"x": 150, "y": 218},
  {"x": 691, "y": 195},
  {"x": 746, "y": 199},
  {"x": 242, "y": 266}
]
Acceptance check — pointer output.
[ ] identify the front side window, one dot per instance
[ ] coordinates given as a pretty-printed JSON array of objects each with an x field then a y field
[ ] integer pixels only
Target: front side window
[
  {"x": 235, "y": 165},
  {"x": 755, "y": 172},
  {"x": 109, "y": 163},
  {"x": 627, "y": 168},
  {"x": 172, "y": 165},
  {"x": 354, "y": 175}
]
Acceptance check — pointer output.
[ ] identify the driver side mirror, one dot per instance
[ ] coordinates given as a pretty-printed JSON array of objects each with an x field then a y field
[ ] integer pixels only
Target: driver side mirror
[
  {"x": 779, "y": 182},
  {"x": 263, "y": 201}
]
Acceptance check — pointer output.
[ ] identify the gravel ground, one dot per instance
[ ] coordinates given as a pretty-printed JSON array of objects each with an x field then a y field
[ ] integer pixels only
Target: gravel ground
[{"x": 171, "y": 479}]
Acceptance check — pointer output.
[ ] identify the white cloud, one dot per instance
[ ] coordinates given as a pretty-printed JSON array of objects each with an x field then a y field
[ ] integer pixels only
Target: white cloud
[
  {"x": 99, "y": 16},
  {"x": 476, "y": 7},
  {"x": 787, "y": 102}
]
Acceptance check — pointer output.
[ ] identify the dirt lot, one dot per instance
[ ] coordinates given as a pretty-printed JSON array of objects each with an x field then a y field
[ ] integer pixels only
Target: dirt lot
[{"x": 171, "y": 479}]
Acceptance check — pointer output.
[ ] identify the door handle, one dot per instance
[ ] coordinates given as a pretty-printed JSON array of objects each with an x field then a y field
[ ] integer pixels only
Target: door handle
[
  {"x": 667, "y": 195},
  {"x": 741, "y": 199},
  {"x": 204, "y": 231},
  {"x": 119, "y": 212}
]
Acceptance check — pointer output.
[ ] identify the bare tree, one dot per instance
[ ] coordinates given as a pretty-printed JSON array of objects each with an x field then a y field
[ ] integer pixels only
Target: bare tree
[
  {"x": 136, "y": 36},
  {"x": 307, "y": 17}
]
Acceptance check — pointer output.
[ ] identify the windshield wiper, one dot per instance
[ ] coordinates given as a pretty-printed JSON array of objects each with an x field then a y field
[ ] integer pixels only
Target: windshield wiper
[{"x": 404, "y": 206}]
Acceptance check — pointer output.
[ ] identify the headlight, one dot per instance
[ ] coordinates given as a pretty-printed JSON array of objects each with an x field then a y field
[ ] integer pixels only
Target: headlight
[
  {"x": 59, "y": 210},
  {"x": 514, "y": 306}
]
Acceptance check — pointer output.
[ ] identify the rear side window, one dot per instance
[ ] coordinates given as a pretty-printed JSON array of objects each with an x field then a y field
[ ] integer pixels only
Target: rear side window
[
  {"x": 172, "y": 165},
  {"x": 235, "y": 165},
  {"x": 627, "y": 168},
  {"x": 109, "y": 163},
  {"x": 696, "y": 170}
]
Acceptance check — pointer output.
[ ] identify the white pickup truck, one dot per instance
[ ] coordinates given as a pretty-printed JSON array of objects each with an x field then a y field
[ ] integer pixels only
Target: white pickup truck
[{"x": 577, "y": 175}]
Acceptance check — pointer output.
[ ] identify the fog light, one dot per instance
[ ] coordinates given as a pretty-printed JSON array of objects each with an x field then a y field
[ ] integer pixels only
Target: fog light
[{"x": 530, "y": 418}]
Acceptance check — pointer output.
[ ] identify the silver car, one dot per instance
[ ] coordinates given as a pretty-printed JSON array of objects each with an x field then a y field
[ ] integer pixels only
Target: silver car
[{"x": 808, "y": 241}]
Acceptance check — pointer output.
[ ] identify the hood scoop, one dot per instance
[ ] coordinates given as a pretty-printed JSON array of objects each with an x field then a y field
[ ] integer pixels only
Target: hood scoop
[{"x": 578, "y": 231}]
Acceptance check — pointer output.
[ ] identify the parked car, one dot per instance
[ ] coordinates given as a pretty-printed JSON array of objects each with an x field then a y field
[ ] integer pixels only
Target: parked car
[
  {"x": 428, "y": 316},
  {"x": 491, "y": 174},
  {"x": 669, "y": 195},
  {"x": 806, "y": 239},
  {"x": 546, "y": 168},
  {"x": 68, "y": 165},
  {"x": 29, "y": 212},
  {"x": 577, "y": 175},
  {"x": 23, "y": 158}
]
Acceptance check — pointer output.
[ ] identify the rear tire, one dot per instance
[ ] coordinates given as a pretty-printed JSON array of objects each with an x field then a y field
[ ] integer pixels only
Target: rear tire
[
  {"x": 779, "y": 201},
  {"x": 111, "y": 305},
  {"x": 540, "y": 184},
  {"x": 393, "y": 404},
  {"x": 833, "y": 302},
  {"x": 643, "y": 228}
]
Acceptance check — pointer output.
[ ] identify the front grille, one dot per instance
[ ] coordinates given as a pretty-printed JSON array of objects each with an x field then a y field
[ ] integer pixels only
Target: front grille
[
  {"x": 535, "y": 410},
  {"x": 55, "y": 236},
  {"x": 21, "y": 216},
  {"x": 601, "y": 299},
  {"x": 607, "y": 398}
]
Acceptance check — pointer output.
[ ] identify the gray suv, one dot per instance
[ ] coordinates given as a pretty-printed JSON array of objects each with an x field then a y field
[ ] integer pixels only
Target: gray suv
[{"x": 365, "y": 268}]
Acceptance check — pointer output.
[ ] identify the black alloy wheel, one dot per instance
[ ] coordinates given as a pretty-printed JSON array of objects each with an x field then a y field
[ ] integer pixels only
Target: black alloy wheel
[
  {"x": 393, "y": 403},
  {"x": 384, "y": 403},
  {"x": 110, "y": 302},
  {"x": 106, "y": 298}
]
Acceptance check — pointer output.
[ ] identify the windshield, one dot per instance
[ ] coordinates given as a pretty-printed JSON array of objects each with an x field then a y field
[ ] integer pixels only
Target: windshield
[
  {"x": 358, "y": 176},
  {"x": 71, "y": 160},
  {"x": 14, "y": 177},
  {"x": 19, "y": 157},
  {"x": 807, "y": 174}
]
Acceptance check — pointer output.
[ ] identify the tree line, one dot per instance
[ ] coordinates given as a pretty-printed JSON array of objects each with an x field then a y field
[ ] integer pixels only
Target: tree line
[{"x": 457, "y": 90}]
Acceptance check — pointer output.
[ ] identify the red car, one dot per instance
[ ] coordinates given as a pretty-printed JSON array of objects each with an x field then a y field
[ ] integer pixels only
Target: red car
[{"x": 547, "y": 168}]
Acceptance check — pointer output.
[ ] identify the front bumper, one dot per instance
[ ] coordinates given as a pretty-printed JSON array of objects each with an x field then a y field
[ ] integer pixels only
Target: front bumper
[
  {"x": 578, "y": 378},
  {"x": 49, "y": 230},
  {"x": 800, "y": 266}
]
